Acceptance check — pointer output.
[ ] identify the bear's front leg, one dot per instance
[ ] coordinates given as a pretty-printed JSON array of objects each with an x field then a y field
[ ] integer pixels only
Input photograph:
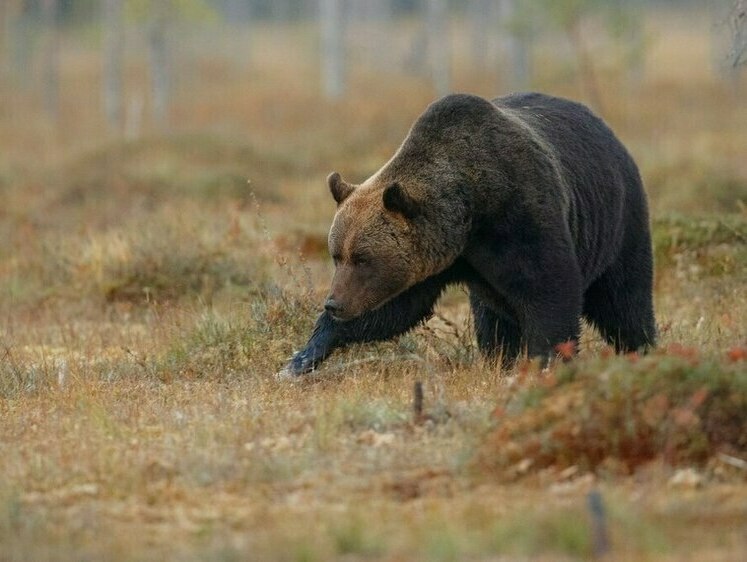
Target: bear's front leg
[
  {"x": 542, "y": 286},
  {"x": 393, "y": 318},
  {"x": 322, "y": 342}
]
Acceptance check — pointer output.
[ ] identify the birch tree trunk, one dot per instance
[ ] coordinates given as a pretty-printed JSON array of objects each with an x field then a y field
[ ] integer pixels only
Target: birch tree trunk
[
  {"x": 516, "y": 45},
  {"x": 238, "y": 12},
  {"x": 113, "y": 62},
  {"x": 51, "y": 59},
  {"x": 479, "y": 12},
  {"x": 630, "y": 18},
  {"x": 4, "y": 27},
  {"x": 21, "y": 47},
  {"x": 439, "y": 45},
  {"x": 738, "y": 30},
  {"x": 280, "y": 10},
  {"x": 369, "y": 24},
  {"x": 383, "y": 45},
  {"x": 160, "y": 68},
  {"x": 6, "y": 16},
  {"x": 238, "y": 18},
  {"x": 333, "y": 56}
]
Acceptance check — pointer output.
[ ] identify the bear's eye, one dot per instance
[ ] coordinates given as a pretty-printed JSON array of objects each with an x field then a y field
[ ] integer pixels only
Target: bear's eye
[
  {"x": 360, "y": 259},
  {"x": 337, "y": 258}
]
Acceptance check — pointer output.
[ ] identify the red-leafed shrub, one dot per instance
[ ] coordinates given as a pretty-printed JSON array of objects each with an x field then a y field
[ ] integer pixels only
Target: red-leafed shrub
[{"x": 674, "y": 407}]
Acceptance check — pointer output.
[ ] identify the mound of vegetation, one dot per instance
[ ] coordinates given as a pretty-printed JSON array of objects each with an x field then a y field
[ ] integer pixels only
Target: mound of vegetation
[
  {"x": 621, "y": 413},
  {"x": 190, "y": 165},
  {"x": 155, "y": 258}
]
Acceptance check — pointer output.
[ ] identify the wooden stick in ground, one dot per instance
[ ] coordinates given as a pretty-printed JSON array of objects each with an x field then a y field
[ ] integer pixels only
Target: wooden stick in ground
[
  {"x": 417, "y": 402},
  {"x": 599, "y": 535}
]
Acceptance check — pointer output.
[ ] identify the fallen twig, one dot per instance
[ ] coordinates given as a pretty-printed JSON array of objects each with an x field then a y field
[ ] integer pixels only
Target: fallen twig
[{"x": 736, "y": 462}]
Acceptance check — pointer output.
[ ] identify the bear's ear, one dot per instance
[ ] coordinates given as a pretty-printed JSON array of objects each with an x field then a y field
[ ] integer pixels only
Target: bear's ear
[
  {"x": 398, "y": 201},
  {"x": 340, "y": 190}
]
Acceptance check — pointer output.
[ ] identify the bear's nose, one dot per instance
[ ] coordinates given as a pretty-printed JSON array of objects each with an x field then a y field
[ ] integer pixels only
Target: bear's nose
[{"x": 332, "y": 307}]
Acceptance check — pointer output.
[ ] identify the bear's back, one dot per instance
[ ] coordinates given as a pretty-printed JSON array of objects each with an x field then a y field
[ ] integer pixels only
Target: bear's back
[
  {"x": 571, "y": 129},
  {"x": 584, "y": 143},
  {"x": 602, "y": 179}
]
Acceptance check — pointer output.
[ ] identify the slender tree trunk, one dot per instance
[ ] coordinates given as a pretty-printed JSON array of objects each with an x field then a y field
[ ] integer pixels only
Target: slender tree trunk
[
  {"x": 480, "y": 12},
  {"x": 516, "y": 45},
  {"x": 738, "y": 29},
  {"x": 383, "y": 47},
  {"x": 21, "y": 48},
  {"x": 113, "y": 62},
  {"x": 738, "y": 52},
  {"x": 280, "y": 10},
  {"x": 358, "y": 38},
  {"x": 51, "y": 59},
  {"x": 439, "y": 45},
  {"x": 238, "y": 15},
  {"x": 333, "y": 56},
  {"x": 630, "y": 18},
  {"x": 369, "y": 22},
  {"x": 238, "y": 12},
  {"x": 160, "y": 67},
  {"x": 718, "y": 39},
  {"x": 4, "y": 27}
]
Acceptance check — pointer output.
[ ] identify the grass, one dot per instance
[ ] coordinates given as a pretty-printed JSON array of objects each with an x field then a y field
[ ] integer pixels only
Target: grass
[{"x": 148, "y": 298}]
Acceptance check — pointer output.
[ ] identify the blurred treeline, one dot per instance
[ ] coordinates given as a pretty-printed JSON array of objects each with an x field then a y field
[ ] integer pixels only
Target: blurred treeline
[{"x": 164, "y": 44}]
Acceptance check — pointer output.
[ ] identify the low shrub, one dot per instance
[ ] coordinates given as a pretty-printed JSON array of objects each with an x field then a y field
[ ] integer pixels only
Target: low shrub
[{"x": 622, "y": 412}]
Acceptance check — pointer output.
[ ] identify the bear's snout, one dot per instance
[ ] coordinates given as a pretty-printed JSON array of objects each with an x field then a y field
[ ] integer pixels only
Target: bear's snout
[{"x": 333, "y": 307}]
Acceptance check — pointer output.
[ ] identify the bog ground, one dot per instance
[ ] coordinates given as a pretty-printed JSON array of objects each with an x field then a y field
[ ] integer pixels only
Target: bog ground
[{"x": 151, "y": 289}]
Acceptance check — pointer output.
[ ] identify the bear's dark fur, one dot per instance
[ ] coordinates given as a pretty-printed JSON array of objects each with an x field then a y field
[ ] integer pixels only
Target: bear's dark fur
[{"x": 529, "y": 200}]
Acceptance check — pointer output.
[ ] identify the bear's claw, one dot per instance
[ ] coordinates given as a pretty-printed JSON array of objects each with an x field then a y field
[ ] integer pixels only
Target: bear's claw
[{"x": 302, "y": 362}]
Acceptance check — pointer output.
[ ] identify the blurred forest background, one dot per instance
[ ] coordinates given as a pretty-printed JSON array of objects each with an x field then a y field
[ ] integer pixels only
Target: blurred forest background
[{"x": 76, "y": 69}]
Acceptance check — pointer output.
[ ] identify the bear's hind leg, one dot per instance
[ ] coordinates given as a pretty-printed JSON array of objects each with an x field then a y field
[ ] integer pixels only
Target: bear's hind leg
[
  {"x": 497, "y": 332},
  {"x": 619, "y": 304}
]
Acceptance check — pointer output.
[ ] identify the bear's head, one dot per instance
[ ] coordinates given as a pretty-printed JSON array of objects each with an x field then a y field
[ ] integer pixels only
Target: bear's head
[
  {"x": 371, "y": 243},
  {"x": 379, "y": 241}
]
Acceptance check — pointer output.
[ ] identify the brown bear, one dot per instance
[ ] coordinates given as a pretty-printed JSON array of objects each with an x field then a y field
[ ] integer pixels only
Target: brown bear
[{"x": 529, "y": 200}]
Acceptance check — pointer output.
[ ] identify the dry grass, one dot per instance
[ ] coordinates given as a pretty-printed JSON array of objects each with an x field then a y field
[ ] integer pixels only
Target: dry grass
[{"x": 147, "y": 299}]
